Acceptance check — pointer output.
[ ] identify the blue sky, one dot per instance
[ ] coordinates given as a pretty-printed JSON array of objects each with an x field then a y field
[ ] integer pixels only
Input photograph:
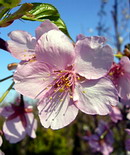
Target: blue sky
[{"x": 79, "y": 16}]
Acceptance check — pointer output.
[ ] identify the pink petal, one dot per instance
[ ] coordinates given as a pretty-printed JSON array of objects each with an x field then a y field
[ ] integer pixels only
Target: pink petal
[
  {"x": 128, "y": 131},
  {"x": 102, "y": 126},
  {"x": 80, "y": 37},
  {"x": 94, "y": 142},
  {"x": 2, "y": 153},
  {"x": 6, "y": 111},
  {"x": 57, "y": 112},
  {"x": 32, "y": 78},
  {"x": 32, "y": 125},
  {"x": 123, "y": 86},
  {"x": 128, "y": 116},
  {"x": 94, "y": 59},
  {"x": 106, "y": 148},
  {"x": 45, "y": 27},
  {"x": 21, "y": 45},
  {"x": 54, "y": 48},
  {"x": 1, "y": 141},
  {"x": 115, "y": 114},
  {"x": 127, "y": 145},
  {"x": 95, "y": 96},
  {"x": 14, "y": 130},
  {"x": 125, "y": 63}
]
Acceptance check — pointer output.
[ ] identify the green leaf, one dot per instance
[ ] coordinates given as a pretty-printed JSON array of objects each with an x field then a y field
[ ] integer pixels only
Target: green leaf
[
  {"x": 10, "y": 3},
  {"x": 61, "y": 25},
  {"x": 3, "y": 11},
  {"x": 16, "y": 15},
  {"x": 42, "y": 11}
]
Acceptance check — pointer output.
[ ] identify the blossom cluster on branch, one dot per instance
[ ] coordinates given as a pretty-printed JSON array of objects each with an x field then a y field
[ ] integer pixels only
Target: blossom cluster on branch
[{"x": 66, "y": 77}]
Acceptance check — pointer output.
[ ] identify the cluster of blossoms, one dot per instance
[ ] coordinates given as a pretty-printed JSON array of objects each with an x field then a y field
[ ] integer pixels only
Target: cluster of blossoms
[
  {"x": 120, "y": 75},
  {"x": 102, "y": 139},
  {"x": 19, "y": 121},
  {"x": 65, "y": 77}
]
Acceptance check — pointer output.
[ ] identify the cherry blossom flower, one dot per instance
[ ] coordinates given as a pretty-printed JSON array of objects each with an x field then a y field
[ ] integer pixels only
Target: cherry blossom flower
[
  {"x": 125, "y": 102},
  {"x": 1, "y": 141},
  {"x": 67, "y": 77},
  {"x": 128, "y": 114},
  {"x": 127, "y": 145},
  {"x": 128, "y": 131},
  {"x": 115, "y": 114},
  {"x": 19, "y": 122},
  {"x": 102, "y": 139},
  {"x": 22, "y": 44},
  {"x": 120, "y": 75}
]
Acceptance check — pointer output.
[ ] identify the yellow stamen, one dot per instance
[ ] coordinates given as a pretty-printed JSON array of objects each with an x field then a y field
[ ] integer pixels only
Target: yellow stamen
[
  {"x": 83, "y": 91},
  {"x": 50, "y": 97},
  {"x": 78, "y": 78},
  {"x": 32, "y": 60},
  {"x": 71, "y": 96},
  {"x": 61, "y": 90},
  {"x": 111, "y": 73},
  {"x": 61, "y": 100}
]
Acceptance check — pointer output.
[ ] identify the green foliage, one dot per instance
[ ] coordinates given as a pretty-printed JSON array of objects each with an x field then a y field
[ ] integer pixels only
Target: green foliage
[
  {"x": 50, "y": 142},
  {"x": 3, "y": 11},
  {"x": 47, "y": 142},
  {"x": 33, "y": 12},
  {"x": 16, "y": 15},
  {"x": 66, "y": 141},
  {"x": 42, "y": 11},
  {"x": 61, "y": 25},
  {"x": 10, "y": 3}
]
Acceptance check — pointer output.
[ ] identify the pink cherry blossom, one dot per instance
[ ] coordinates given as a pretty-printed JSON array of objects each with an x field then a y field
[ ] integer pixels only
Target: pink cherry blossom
[
  {"x": 120, "y": 75},
  {"x": 102, "y": 139},
  {"x": 128, "y": 113},
  {"x": 67, "y": 78},
  {"x": 19, "y": 122},
  {"x": 128, "y": 131},
  {"x": 1, "y": 141},
  {"x": 2, "y": 153},
  {"x": 115, "y": 114},
  {"x": 127, "y": 144},
  {"x": 22, "y": 44}
]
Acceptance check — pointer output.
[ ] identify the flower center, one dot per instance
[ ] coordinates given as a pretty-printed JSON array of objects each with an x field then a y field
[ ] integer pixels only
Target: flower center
[
  {"x": 116, "y": 71},
  {"x": 65, "y": 81},
  {"x": 20, "y": 112}
]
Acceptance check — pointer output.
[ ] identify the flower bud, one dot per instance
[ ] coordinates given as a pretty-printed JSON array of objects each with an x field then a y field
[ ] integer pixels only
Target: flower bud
[{"x": 12, "y": 66}]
